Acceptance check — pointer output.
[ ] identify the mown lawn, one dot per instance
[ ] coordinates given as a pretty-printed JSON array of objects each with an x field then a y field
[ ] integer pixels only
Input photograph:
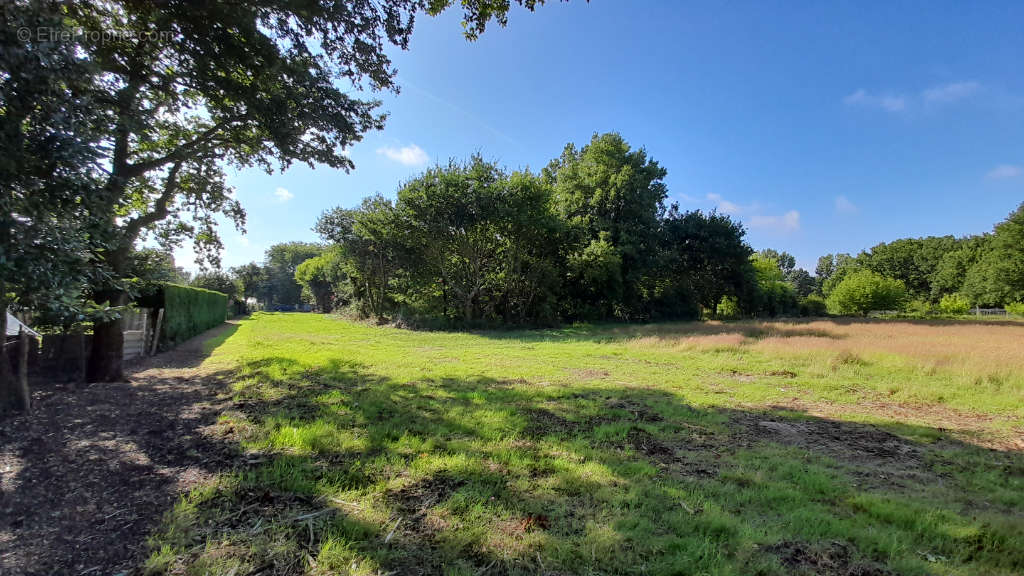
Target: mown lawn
[{"x": 702, "y": 448}]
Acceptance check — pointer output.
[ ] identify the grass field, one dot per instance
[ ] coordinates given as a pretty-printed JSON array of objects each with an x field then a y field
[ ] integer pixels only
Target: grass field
[{"x": 826, "y": 447}]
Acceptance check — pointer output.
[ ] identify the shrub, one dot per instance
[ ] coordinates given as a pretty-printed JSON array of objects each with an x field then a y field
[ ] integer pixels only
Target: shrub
[
  {"x": 920, "y": 308},
  {"x": 728, "y": 308},
  {"x": 1015, "y": 308},
  {"x": 954, "y": 304},
  {"x": 188, "y": 311},
  {"x": 863, "y": 291},
  {"x": 813, "y": 305}
]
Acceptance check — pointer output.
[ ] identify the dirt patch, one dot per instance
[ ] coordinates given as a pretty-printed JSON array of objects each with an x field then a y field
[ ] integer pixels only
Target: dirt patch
[
  {"x": 683, "y": 459},
  {"x": 640, "y": 411},
  {"x": 969, "y": 427},
  {"x": 589, "y": 374},
  {"x": 419, "y": 497},
  {"x": 542, "y": 422},
  {"x": 872, "y": 455},
  {"x": 87, "y": 476},
  {"x": 834, "y": 559}
]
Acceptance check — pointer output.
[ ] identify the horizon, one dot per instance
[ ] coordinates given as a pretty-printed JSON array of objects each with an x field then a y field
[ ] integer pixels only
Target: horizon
[{"x": 749, "y": 116}]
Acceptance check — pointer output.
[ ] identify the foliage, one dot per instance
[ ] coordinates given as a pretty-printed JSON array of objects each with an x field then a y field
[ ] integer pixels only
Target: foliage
[
  {"x": 774, "y": 296},
  {"x": 189, "y": 311},
  {"x": 610, "y": 198},
  {"x": 705, "y": 259},
  {"x": 954, "y": 304},
  {"x": 470, "y": 244},
  {"x": 813, "y": 306},
  {"x": 837, "y": 267},
  {"x": 863, "y": 291},
  {"x": 1015, "y": 308},
  {"x": 251, "y": 279},
  {"x": 282, "y": 260},
  {"x": 217, "y": 281},
  {"x": 728, "y": 308},
  {"x": 998, "y": 276},
  {"x": 913, "y": 261},
  {"x": 324, "y": 278}
]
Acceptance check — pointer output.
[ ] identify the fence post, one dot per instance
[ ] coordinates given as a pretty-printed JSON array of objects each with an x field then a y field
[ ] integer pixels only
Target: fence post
[
  {"x": 156, "y": 332},
  {"x": 26, "y": 397}
]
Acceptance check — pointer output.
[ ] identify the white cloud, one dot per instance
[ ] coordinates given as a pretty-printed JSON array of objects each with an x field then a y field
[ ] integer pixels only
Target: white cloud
[
  {"x": 1004, "y": 171},
  {"x": 753, "y": 216},
  {"x": 728, "y": 207},
  {"x": 887, "y": 102},
  {"x": 283, "y": 195},
  {"x": 844, "y": 206},
  {"x": 788, "y": 222},
  {"x": 951, "y": 92},
  {"x": 411, "y": 155}
]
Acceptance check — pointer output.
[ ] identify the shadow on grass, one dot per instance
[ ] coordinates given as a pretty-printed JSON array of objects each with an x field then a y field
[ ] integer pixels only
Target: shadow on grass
[{"x": 352, "y": 472}]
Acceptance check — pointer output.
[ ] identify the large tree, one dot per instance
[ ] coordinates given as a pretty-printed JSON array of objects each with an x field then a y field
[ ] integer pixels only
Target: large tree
[
  {"x": 706, "y": 255},
  {"x": 185, "y": 89},
  {"x": 49, "y": 132},
  {"x": 611, "y": 198},
  {"x": 997, "y": 278}
]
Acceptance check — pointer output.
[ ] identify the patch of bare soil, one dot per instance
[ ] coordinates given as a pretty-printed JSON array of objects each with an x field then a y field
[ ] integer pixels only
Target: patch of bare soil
[
  {"x": 973, "y": 428},
  {"x": 835, "y": 559},
  {"x": 89, "y": 473},
  {"x": 876, "y": 457}
]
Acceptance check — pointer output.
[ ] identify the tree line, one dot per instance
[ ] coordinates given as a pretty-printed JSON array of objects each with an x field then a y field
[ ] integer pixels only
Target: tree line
[{"x": 590, "y": 237}]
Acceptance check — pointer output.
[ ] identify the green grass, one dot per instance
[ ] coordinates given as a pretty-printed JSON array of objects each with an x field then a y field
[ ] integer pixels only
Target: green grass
[{"x": 595, "y": 450}]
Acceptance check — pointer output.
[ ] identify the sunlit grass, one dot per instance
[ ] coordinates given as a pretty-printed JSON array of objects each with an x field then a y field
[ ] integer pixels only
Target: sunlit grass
[{"x": 679, "y": 448}]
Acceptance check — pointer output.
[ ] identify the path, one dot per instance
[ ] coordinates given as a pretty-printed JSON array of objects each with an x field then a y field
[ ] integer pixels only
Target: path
[{"x": 85, "y": 478}]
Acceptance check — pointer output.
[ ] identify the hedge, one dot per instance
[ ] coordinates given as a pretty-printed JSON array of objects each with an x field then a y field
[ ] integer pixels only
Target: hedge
[{"x": 190, "y": 311}]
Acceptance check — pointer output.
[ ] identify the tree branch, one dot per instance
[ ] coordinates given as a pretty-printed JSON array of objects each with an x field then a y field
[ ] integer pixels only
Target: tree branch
[
  {"x": 161, "y": 207},
  {"x": 180, "y": 153}
]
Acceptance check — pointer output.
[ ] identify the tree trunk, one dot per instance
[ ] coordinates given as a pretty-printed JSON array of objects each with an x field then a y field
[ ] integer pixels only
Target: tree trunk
[{"x": 107, "y": 354}]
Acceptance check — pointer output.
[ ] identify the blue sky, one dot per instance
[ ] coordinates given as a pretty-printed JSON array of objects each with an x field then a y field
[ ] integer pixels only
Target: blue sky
[{"x": 822, "y": 128}]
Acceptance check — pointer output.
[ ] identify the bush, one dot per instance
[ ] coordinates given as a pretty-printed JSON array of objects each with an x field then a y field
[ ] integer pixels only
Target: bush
[
  {"x": 728, "y": 308},
  {"x": 863, "y": 291},
  {"x": 813, "y": 305},
  {"x": 1015, "y": 308},
  {"x": 954, "y": 304},
  {"x": 920, "y": 308},
  {"x": 190, "y": 311}
]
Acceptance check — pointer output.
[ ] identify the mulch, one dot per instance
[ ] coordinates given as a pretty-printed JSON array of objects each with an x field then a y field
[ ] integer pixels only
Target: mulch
[{"x": 88, "y": 475}]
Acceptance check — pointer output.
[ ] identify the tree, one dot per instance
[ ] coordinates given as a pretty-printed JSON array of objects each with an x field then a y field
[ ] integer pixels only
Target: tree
[
  {"x": 251, "y": 278},
  {"x": 196, "y": 87},
  {"x": 774, "y": 295},
  {"x": 281, "y": 262},
  {"x": 951, "y": 273},
  {"x": 704, "y": 256},
  {"x": 609, "y": 193},
  {"x": 802, "y": 282},
  {"x": 862, "y": 291},
  {"x": 842, "y": 265},
  {"x": 322, "y": 277},
  {"x": 910, "y": 260},
  {"x": 786, "y": 261},
  {"x": 997, "y": 278},
  {"x": 218, "y": 282},
  {"x": 49, "y": 166}
]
